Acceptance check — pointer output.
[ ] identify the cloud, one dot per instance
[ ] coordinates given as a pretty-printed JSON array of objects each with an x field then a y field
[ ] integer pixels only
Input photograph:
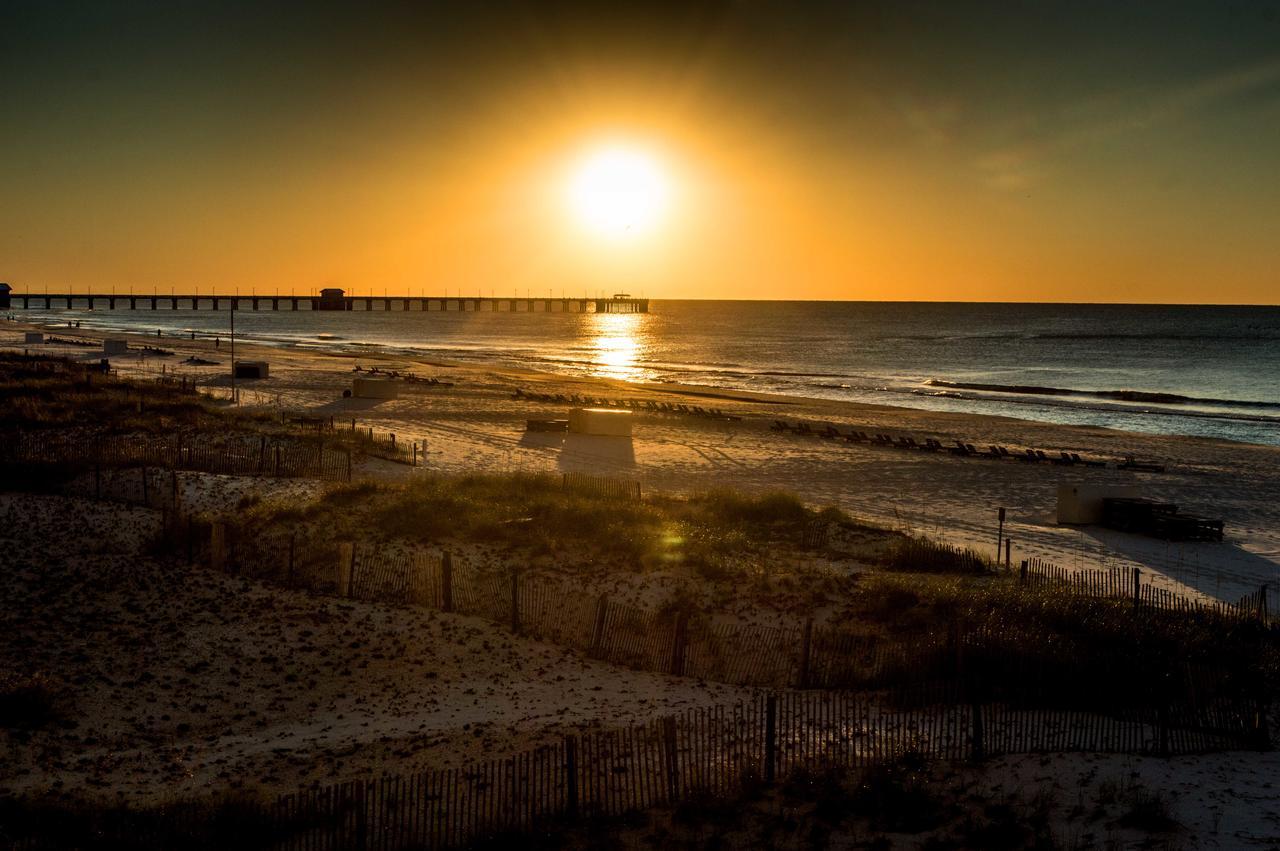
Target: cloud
[{"x": 1111, "y": 114}]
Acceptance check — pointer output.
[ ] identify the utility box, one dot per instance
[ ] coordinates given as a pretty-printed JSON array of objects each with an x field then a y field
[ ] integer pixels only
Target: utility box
[
  {"x": 115, "y": 347},
  {"x": 251, "y": 369},
  {"x": 1083, "y": 504},
  {"x": 375, "y": 388},
  {"x": 34, "y": 337},
  {"x": 600, "y": 421}
]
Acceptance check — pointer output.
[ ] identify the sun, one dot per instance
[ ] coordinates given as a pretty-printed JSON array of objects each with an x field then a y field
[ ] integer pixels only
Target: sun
[{"x": 618, "y": 192}]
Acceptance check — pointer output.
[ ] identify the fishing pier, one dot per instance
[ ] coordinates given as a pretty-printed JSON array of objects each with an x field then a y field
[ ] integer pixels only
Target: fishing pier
[{"x": 327, "y": 300}]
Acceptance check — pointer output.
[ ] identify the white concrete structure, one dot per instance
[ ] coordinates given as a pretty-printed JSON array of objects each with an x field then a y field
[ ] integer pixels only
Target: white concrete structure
[
  {"x": 115, "y": 347},
  {"x": 375, "y": 388},
  {"x": 601, "y": 421},
  {"x": 1082, "y": 504}
]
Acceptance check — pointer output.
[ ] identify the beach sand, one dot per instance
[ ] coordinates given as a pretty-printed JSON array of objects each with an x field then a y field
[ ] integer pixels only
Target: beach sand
[
  {"x": 477, "y": 425},
  {"x": 183, "y": 677}
]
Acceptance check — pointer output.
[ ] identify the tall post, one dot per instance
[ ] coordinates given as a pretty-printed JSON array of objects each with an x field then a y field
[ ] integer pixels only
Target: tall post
[
  {"x": 806, "y": 647},
  {"x": 999, "y": 534},
  {"x": 515, "y": 601},
  {"x": 1137, "y": 585},
  {"x": 446, "y": 582},
  {"x": 571, "y": 774},
  {"x": 678, "y": 642},
  {"x": 1022, "y": 573},
  {"x": 770, "y": 738},
  {"x": 597, "y": 634}
]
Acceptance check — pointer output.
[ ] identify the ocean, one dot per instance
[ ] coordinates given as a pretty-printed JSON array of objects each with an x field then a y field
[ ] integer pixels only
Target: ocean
[{"x": 1210, "y": 371}]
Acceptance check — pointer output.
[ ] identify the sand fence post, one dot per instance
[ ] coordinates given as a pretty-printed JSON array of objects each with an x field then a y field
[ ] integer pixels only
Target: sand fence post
[
  {"x": 999, "y": 534},
  {"x": 515, "y": 600},
  {"x": 571, "y": 775},
  {"x": 342, "y": 570},
  {"x": 597, "y": 634},
  {"x": 770, "y": 738},
  {"x": 1137, "y": 587},
  {"x": 1022, "y": 573},
  {"x": 446, "y": 582},
  {"x": 218, "y": 546},
  {"x": 806, "y": 647},
  {"x": 671, "y": 750},
  {"x": 679, "y": 643}
]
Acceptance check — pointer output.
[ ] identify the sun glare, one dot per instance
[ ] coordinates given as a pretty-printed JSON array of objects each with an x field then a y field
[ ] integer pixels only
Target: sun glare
[{"x": 618, "y": 192}]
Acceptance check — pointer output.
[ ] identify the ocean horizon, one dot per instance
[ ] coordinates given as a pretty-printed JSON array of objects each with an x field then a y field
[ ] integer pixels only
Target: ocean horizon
[{"x": 1210, "y": 371}]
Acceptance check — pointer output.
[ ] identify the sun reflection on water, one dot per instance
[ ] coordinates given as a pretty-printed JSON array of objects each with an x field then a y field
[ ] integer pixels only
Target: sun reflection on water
[{"x": 617, "y": 342}]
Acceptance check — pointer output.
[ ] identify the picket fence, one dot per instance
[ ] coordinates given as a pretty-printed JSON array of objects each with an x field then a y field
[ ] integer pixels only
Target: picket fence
[{"x": 602, "y": 486}]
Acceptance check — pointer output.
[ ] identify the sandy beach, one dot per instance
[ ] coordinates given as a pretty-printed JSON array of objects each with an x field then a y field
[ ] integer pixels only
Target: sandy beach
[
  {"x": 477, "y": 425},
  {"x": 189, "y": 681}
]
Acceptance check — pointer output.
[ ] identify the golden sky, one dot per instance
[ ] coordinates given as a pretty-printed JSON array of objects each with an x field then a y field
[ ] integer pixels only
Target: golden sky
[{"x": 904, "y": 151}]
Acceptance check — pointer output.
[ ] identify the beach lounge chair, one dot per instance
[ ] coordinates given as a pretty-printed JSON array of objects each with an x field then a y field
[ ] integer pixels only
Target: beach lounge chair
[
  {"x": 1029, "y": 455},
  {"x": 1087, "y": 462},
  {"x": 1129, "y": 463},
  {"x": 829, "y": 432},
  {"x": 803, "y": 428},
  {"x": 779, "y": 425},
  {"x": 959, "y": 448}
]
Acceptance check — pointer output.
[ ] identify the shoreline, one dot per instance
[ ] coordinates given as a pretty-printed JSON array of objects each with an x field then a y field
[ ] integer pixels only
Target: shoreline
[{"x": 1152, "y": 412}]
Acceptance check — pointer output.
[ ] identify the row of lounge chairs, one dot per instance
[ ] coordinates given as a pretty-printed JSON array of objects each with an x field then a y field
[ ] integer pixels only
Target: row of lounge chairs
[
  {"x": 645, "y": 405},
  {"x": 957, "y": 447},
  {"x": 404, "y": 376}
]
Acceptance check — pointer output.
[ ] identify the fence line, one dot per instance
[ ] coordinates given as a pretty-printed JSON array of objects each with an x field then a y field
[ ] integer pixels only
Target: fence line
[
  {"x": 1120, "y": 584},
  {"x": 720, "y": 751},
  {"x": 227, "y": 454},
  {"x": 602, "y": 486}
]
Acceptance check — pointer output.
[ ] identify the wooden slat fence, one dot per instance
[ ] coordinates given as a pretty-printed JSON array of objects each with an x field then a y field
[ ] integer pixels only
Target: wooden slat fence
[
  {"x": 224, "y": 454},
  {"x": 1119, "y": 584},
  {"x": 602, "y": 486}
]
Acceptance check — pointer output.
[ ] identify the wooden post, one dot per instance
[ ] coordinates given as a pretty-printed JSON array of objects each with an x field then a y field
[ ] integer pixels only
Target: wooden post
[
  {"x": 999, "y": 535},
  {"x": 770, "y": 738},
  {"x": 1137, "y": 585},
  {"x": 571, "y": 774},
  {"x": 806, "y": 646},
  {"x": 678, "y": 642},
  {"x": 218, "y": 547},
  {"x": 415, "y": 453},
  {"x": 351, "y": 574},
  {"x": 362, "y": 818},
  {"x": 1022, "y": 574},
  {"x": 978, "y": 738},
  {"x": 597, "y": 634},
  {"x": 671, "y": 750},
  {"x": 262, "y": 456},
  {"x": 342, "y": 570},
  {"x": 446, "y": 582},
  {"x": 1262, "y": 604},
  {"x": 515, "y": 601}
]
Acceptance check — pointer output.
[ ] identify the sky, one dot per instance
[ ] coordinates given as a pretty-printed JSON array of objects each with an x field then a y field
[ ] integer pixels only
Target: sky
[{"x": 1021, "y": 151}]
